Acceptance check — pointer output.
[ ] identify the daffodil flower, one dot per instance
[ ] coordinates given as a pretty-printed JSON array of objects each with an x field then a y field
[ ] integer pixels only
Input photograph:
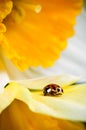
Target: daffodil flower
[
  {"x": 33, "y": 33},
  {"x": 23, "y": 105}
]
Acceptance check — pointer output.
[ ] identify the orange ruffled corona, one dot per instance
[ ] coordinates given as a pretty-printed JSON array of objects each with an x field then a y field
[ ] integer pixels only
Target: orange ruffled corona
[{"x": 33, "y": 33}]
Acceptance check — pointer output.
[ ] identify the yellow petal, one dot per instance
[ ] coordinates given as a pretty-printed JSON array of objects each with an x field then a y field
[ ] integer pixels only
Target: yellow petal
[
  {"x": 39, "y": 83},
  {"x": 11, "y": 92},
  {"x": 19, "y": 117},
  {"x": 37, "y": 36},
  {"x": 8, "y": 96},
  {"x": 71, "y": 105}
]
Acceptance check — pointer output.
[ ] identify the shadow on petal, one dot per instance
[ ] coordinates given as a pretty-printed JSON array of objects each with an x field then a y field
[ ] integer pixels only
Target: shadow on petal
[{"x": 17, "y": 116}]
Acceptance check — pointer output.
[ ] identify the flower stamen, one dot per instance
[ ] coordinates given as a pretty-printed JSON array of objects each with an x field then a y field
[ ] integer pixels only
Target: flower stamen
[{"x": 34, "y": 7}]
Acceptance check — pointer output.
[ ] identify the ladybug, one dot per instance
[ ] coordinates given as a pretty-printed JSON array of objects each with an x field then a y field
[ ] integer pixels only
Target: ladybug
[{"x": 52, "y": 90}]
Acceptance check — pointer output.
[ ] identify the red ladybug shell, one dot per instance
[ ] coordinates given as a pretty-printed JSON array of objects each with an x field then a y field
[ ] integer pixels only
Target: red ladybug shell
[{"x": 52, "y": 90}]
